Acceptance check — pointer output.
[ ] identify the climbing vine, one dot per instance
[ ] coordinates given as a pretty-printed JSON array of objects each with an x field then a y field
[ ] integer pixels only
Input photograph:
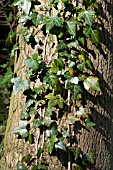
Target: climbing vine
[{"x": 64, "y": 82}]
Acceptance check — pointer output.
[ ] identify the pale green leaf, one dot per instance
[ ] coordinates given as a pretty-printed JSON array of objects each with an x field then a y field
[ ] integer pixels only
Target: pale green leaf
[
  {"x": 19, "y": 84},
  {"x": 92, "y": 82},
  {"x": 60, "y": 145}
]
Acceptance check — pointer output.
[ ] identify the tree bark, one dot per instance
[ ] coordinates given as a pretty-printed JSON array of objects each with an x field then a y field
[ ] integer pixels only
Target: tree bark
[{"x": 100, "y": 138}]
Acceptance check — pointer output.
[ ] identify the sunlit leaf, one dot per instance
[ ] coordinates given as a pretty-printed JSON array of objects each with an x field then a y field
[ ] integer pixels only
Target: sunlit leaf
[
  {"x": 81, "y": 112},
  {"x": 92, "y": 82},
  {"x": 71, "y": 25},
  {"x": 60, "y": 145},
  {"x": 87, "y": 16},
  {"x": 51, "y": 21},
  {"x": 19, "y": 84}
]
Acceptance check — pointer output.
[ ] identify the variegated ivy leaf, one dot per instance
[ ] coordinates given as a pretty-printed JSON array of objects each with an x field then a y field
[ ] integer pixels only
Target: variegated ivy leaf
[
  {"x": 92, "y": 82},
  {"x": 19, "y": 84},
  {"x": 25, "y": 5},
  {"x": 81, "y": 112}
]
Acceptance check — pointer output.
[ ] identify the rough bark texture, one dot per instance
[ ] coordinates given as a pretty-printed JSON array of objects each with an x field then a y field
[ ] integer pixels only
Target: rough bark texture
[{"x": 100, "y": 138}]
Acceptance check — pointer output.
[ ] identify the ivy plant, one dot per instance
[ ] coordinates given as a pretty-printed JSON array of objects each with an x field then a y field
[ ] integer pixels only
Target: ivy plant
[{"x": 64, "y": 83}]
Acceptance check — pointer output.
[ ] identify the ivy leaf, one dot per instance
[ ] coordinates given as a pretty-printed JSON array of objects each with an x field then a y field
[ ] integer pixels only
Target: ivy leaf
[
  {"x": 19, "y": 84},
  {"x": 61, "y": 45},
  {"x": 60, "y": 102},
  {"x": 25, "y": 5},
  {"x": 51, "y": 132},
  {"x": 76, "y": 90},
  {"x": 89, "y": 64},
  {"x": 74, "y": 80},
  {"x": 71, "y": 25},
  {"x": 73, "y": 44},
  {"x": 32, "y": 62},
  {"x": 60, "y": 145},
  {"x": 21, "y": 166},
  {"x": 77, "y": 152},
  {"x": 6, "y": 79},
  {"x": 50, "y": 143},
  {"x": 89, "y": 124},
  {"x": 92, "y": 34},
  {"x": 91, "y": 82},
  {"x": 87, "y": 16},
  {"x": 21, "y": 129},
  {"x": 51, "y": 21},
  {"x": 89, "y": 157},
  {"x": 81, "y": 112},
  {"x": 14, "y": 49},
  {"x": 36, "y": 18}
]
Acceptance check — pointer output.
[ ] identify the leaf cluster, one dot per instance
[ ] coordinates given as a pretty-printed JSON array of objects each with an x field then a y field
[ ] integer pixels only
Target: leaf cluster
[{"x": 64, "y": 83}]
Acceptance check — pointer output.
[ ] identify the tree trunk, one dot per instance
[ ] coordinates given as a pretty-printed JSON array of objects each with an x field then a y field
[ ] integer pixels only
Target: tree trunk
[{"x": 100, "y": 138}]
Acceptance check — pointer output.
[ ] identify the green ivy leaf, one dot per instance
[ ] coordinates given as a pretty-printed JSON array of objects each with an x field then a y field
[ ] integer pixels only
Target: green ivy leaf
[
  {"x": 89, "y": 157},
  {"x": 51, "y": 132},
  {"x": 71, "y": 25},
  {"x": 89, "y": 64},
  {"x": 51, "y": 21},
  {"x": 76, "y": 90},
  {"x": 73, "y": 44},
  {"x": 61, "y": 45},
  {"x": 27, "y": 37},
  {"x": 32, "y": 62},
  {"x": 93, "y": 34},
  {"x": 14, "y": 49},
  {"x": 21, "y": 129},
  {"x": 60, "y": 102},
  {"x": 87, "y": 16},
  {"x": 19, "y": 84},
  {"x": 77, "y": 152},
  {"x": 60, "y": 145},
  {"x": 23, "y": 31},
  {"x": 36, "y": 18},
  {"x": 92, "y": 82},
  {"x": 89, "y": 124},
  {"x": 50, "y": 143}
]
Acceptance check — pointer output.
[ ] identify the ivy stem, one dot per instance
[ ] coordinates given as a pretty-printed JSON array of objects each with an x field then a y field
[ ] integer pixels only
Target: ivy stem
[{"x": 69, "y": 138}]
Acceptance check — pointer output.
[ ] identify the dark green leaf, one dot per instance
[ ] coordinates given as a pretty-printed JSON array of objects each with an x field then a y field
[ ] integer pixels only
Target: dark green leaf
[
  {"x": 51, "y": 132},
  {"x": 50, "y": 143},
  {"x": 92, "y": 34},
  {"x": 75, "y": 91},
  {"x": 89, "y": 157},
  {"x": 61, "y": 45},
  {"x": 89, "y": 124},
  {"x": 77, "y": 152},
  {"x": 36, "y": 18}
]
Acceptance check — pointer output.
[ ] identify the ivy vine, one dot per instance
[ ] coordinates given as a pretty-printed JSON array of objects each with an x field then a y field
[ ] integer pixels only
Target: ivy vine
[{"x": 64, "y": 82}]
